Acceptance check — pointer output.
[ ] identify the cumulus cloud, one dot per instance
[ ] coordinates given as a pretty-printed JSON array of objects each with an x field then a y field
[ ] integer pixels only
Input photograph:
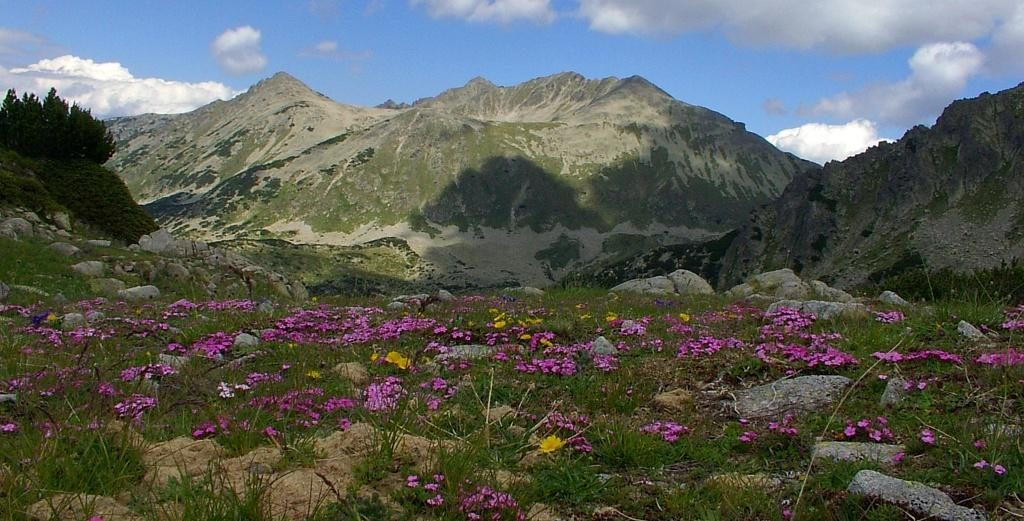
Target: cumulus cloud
[
  {"x": 500, "y": 11},
  {"x": 238, "y": 50},
  {"x": 845, "y": 26},
  {"x": 822, "y": 143},
  {"x": 110, "y": 89},
  {"x": 330, "y": 49},
  {"x": 938, "y": 74}
]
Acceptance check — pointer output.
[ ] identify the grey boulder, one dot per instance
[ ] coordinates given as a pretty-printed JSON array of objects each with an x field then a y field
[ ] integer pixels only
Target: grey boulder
[
  {"x": 139, "y": 293},
  {"x": 916, "y": 497},
  {"x": 791, "y": 395}
]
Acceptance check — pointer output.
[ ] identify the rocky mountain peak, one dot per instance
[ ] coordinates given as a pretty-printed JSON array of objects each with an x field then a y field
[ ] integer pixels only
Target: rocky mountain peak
[{"x": 283, "y": 85}]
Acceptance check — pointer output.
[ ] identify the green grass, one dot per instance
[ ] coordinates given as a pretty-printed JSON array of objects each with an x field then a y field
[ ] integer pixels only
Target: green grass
[{"x": 628, "y": 470}]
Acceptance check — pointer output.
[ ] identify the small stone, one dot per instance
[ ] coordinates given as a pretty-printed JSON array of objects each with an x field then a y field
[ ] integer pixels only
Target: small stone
[
  {"x": 98, "y": 243},
  {"x": 465, "y": 351},
  {"x": 246, "y": 341},
  {"x": 499, "y": 413},
  {"x": 5, "y": 291},
  {"x": 968, "y": 331},
  {"x": 177, "y": 271},
  {"x": 65, "y": 249},
  {"x": 891, "y": 298},
  {"x": 916, "y": 497},
  {"x": 880, "y": 453},
  {"x": 398, "y": 306},
  {"x": 59, "y": 300},
  {"x": 89, "y": 268},
  {"x": 445, "y": 295},
  {"x": 735, "y": 480},
  {"x": 894, "y": 392},
  {"x": 603, "y": 346},
  {"x": 107, "y": 287},
  {"x": 790, "y": 395},
  {"x": 95, "y": 316},
  {"x": 71, "y": 321},
  {"x": 8, "y": 398},
  {"x": 68, "y": 507},
  {"x": 526, "y": 290},
  {"x": 176, "y": 362},
  {"x": 355, "y": 372},
  {"x": 62, "y": 220},
  {"x": 265, "y": 307},
  {"x": 677, "y": 400},
  {"x": 139, "y": 293},
  {"x": 30, "y": 289}
]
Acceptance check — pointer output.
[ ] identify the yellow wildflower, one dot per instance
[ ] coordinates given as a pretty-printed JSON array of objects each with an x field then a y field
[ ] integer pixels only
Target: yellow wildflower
[
  {"x": 585, "y": 316},
  {"x": 551, "y": 444},
  {"x": 314, "y": 374},
  {"x": 500, "y": 324},
  {"x": 684, "y": 317},
  {"x": 611, "y": 317},
  {"x": 525, "y": 336},
  {"x": 394, "y": 357},
  {"x": 374, "y": 357}
]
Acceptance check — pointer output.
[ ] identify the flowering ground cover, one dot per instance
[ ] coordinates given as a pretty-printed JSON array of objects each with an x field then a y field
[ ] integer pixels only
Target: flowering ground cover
[{"x": 495, "y": 407}]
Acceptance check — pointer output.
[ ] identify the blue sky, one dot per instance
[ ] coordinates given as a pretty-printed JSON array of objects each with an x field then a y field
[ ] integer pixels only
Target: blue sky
[{"x": 823, "y": 80}]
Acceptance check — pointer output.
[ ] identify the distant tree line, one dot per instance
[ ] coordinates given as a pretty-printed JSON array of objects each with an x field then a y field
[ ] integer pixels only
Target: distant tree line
[{"x": 49, "y": 128}]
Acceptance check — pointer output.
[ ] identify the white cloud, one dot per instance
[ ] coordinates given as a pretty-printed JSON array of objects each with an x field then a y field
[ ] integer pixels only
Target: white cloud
[
  {"x": 238, "y": 50},
  {"x": 109, "y": 89},
  {"x": 1007, "y": 45},
  {"x": 500, "y": 11},
  {"x": 822, "y": 143},
  {"x": 846, "y": 26},
  {"x": 17, "y": 46},
  {"x": 938, "y": 74},
  {"x": 331, "y": 50}
]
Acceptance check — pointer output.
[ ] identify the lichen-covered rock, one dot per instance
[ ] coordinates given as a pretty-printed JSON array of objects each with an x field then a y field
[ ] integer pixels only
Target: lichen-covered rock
[
  {"x": 968, "y": 331},
  {"x": 824, "y": 310},
  {"x": 916, "y": 497},
  {"x": 603, "y": 346},
  {"x": 689, "y": 283},
  {"x": 894, "y": 392},
  {"x": 245, "y": 341},
  {"x": 791, "y": 395},
  {"x": 881, "y": 453}
]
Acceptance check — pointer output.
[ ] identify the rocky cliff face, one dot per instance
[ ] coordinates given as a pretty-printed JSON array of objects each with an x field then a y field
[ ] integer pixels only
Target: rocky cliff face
[
  {"x": 949, "y": 196},
  {"x": 483, "y": 182}
]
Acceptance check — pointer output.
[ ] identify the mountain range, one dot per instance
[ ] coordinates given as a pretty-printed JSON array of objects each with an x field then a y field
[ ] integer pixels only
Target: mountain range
[{"x": 484, "y": 184}]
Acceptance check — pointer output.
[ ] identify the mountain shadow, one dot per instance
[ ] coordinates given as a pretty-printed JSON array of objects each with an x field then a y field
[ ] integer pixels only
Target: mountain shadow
[{"x": 510, "y": 193}]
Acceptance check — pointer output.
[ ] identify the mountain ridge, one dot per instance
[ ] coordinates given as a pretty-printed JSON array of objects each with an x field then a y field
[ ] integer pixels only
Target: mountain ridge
[{"x": 563, "y": 163}]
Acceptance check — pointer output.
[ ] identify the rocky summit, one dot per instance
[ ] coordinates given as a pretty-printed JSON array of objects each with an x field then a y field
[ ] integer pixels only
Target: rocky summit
[{"x": 485, "y": 184}]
